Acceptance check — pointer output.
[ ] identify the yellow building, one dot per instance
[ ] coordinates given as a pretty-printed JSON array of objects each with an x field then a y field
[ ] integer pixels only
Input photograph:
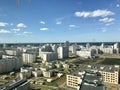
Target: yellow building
[
  {"x": 110, "y": 77},
  {"x": 86, "y": 80},
  {"x": 110, "y": 73},
  {"x": 73, "y": 81}
]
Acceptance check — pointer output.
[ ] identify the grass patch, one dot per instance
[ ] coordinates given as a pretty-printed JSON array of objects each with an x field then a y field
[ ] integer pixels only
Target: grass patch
[
  {"x": 57, "y": 82},
  {"x": 38, "y": 87},
  {"x": 42, "y": 87},
  {"x": 110, "y": 61}
]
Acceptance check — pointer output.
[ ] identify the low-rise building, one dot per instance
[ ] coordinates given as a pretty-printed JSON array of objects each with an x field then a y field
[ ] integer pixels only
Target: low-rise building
[
  {"x": 66, "y": 66},
  {"x": 25, "y": 72},
  {"x": 36, "y": 73},
  {"x": 7, "y": 56},
  {"x": 47, "y": 73}
]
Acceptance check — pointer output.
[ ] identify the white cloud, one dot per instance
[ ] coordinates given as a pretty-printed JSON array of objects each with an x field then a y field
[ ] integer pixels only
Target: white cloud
[
  {"x": 104, "y": 30},
  {"x": 118, "y": 5},
  {"x": 42, "y": 22},
  {"x": 108, "y": 24},
  {"x": 58, "y": 22},
  {"x": 72, "y": 26},
  {"x": 19, "y": 34},
  {"x": 44, "y": 29},
  {"x": 106, "y": 20},
  {"x": 27, "y": 32},
  {"x": 82, "y": 14},
  {"x": 3, "y": 24},
  {"x": 21, "y": 25},
  {"x": 96, "y": 13},
  {"x": 4, "y": 31},
  {"x": 16, "y": 29},
  {"x": 24, "y": 33}
]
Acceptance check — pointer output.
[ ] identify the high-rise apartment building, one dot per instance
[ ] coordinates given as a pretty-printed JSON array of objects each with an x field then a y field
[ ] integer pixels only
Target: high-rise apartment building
[
  {"x": 63, "y": 52},
  {"x": 10, "y": 64},
  {"x": 29, "y": 58}
]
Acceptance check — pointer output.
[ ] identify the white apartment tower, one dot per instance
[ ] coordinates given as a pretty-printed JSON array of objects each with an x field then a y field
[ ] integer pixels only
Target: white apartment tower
[
  {"x": 28, "y": 58},
  {"x": 62, "y": 52}
]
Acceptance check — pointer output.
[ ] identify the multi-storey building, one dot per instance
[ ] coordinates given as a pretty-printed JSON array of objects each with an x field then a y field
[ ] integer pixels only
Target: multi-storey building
[
  {"x": 10, "y": 64},
  {"x": 73, "y": 48},
  {"x": 85, "y": 53},
  {"x": 73, "y": 80},
  {"x": 63, "y": 52},
  {"x": 91, "y": 80},
  {"x": 86, "y": 80},
  {"x": 110, "y": 49},
  {"x": 110, "y": 73},
  {"x": 29, "y": 58},
  {"x": 12, "y": 52},
  {"x": 49, "y": 56},
  {"x": 54, "y": 48}
]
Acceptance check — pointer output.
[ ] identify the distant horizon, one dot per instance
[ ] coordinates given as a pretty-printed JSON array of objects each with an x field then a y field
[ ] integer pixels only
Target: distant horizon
[{"x": 53, "y": 42}]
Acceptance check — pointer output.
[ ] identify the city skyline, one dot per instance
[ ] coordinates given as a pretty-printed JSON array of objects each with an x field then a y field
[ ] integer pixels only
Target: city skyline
[{"x": 59, "y": 20}]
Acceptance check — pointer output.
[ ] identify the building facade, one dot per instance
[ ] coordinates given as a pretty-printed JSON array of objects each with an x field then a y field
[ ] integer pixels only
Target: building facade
[
  {"x": 110, "y": 73},
  {"x": 28, "y": 58},
  {"x": 10, "y": 64}
]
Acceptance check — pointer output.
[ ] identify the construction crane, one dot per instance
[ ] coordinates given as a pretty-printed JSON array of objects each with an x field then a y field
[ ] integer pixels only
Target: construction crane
[{"x": 18, "y": 2}]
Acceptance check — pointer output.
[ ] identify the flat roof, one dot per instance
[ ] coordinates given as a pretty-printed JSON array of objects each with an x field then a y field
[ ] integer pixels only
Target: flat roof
[{"x": 87, "y": 87}]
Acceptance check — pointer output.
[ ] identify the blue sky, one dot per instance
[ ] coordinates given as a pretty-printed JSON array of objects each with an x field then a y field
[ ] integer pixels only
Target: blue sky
[{"x": 59, "y": 20}]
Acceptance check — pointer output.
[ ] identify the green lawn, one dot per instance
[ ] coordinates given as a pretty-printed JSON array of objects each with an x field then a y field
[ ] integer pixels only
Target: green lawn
[
  {"x": 42, "y": 87},
  {"x": 111, "y": 61},
  {"x": 57, "y": 82}
]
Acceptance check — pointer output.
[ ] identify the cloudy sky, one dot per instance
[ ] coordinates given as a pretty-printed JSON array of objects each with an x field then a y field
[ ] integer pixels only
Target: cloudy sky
[{"x": 59, "y": 20}]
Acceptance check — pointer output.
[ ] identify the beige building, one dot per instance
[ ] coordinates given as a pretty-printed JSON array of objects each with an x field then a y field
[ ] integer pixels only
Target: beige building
[
  {"x": 110, "y": 77},
  {"x": 73, "y": 80},
  {"x": 86, "y": 80},
  {"x": 47, "y": 73},
  {"x": 110, "y": 73}
]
